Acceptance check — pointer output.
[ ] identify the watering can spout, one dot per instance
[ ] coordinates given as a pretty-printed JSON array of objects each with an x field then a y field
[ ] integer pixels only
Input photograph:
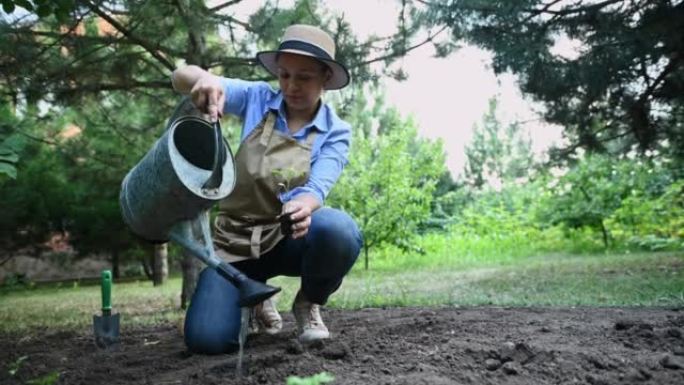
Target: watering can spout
[
  {"x": 251, "y": 292},
  {"x": 191, "y": 235}
]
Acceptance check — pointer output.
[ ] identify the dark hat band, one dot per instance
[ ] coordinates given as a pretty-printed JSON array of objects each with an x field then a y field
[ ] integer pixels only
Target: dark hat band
[{"x": 306, "y": 47}]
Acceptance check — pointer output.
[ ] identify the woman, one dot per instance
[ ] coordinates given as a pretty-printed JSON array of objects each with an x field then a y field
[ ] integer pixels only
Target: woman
[{"x": 293, "y": 149}]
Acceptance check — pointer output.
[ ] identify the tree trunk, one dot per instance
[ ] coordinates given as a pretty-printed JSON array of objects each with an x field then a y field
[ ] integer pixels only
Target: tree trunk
[
  {"x": 191, "y": 267},
  {"x": 148, "y": 266},
  {"x": 161, "y": 264}
]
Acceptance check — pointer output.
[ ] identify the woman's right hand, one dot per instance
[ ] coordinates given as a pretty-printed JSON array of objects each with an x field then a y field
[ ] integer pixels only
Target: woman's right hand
[
  {"x": 208, "y": 96},
  {"x": 205, "y": 89}
]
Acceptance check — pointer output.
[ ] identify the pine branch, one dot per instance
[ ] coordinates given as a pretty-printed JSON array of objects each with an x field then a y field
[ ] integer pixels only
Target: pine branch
[
  {"x": 224, "y": 5},
  {"x": 124, "y": 86},
  {"x": 403, "y": 52},
  {"x": 71, "y": 37},
  {"x": 540, "y": 11},
  {"x": 154, "y": 51},
  {"x": 564, "y": 152},
  {"x": 669, "y": 68},
  {"x": 233, "y": 61},
  {"x": 230, "y": 19},
  {"x": 573, "y": 10},
  {"x": 195, "y": 38},
  {"x": 37, "y": 138}
]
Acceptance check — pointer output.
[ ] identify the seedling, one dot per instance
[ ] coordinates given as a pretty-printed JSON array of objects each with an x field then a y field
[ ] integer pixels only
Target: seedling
[
  {"x": 287, "y": 175},
  {"x": 48, "y": 379},
  {"x": 14, "y": 366},
  {"x": 317, "y": 379}
]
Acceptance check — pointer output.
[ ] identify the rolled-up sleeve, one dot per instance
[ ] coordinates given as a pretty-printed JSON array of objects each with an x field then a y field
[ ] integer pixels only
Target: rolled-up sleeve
[
  {"x": 241, "y": 94},
  {"x": 327, "y": 166}
]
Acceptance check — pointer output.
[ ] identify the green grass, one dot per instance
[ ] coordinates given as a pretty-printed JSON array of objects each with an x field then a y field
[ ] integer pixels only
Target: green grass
[
  {"x": 69, "y": 308},
  {"x": 458, "y": 249},
  {"x": 644, "y": 279},
  {"x": 650, "y": 279}
]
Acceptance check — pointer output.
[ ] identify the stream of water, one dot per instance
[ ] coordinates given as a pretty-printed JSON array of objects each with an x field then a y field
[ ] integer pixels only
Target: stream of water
[{"x": 244, "y": 329}]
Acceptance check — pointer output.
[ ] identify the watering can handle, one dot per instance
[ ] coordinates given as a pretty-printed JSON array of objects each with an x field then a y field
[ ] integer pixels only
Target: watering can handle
[{"x": 216, "y": 177}]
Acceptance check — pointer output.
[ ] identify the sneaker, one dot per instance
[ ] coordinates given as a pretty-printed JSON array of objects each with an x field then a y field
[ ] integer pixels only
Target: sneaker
[
  {"x": 309, "y": 322},
  {"x": 265, "y": 318}
]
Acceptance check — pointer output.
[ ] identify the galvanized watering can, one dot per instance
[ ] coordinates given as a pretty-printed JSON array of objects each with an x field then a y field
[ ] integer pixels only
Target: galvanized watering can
[{"x": 168, "y": 194}]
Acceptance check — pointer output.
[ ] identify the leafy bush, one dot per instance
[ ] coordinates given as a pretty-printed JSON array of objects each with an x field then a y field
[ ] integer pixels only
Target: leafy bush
[
  {"x": 651, "y": 224},
  {"x": 494, "y": 227},
  {"x": 594, "y": 189}
]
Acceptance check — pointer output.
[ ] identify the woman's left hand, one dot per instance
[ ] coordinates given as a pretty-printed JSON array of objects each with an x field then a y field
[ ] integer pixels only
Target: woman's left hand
[{"x": 298, "y": 212}]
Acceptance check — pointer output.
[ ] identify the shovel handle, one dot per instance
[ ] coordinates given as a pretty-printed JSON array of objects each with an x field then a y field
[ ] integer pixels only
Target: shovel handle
[{"x": 106, "y": 291}]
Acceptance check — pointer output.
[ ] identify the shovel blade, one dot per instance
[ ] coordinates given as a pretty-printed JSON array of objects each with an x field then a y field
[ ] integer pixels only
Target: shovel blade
[{"x": 106, "y": 330}]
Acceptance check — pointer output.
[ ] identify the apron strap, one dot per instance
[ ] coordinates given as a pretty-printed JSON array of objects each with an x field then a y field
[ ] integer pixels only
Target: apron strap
[
  {"x": 255, "y": 242},
  {"x": 268, "y": 128}
]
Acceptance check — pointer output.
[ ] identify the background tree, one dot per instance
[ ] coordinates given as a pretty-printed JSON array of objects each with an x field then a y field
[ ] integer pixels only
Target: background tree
[
  {"x": 627, "y": 71},
  {"x": 10, "y": 143},
  {"x": 36, "y": 203},
  {"x": 392, "y": 173},
  {"x": 497, "y": 154}
]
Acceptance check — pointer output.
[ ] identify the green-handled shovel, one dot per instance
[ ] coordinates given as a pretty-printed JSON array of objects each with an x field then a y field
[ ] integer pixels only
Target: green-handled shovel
[{"x": 107, "y": 325}]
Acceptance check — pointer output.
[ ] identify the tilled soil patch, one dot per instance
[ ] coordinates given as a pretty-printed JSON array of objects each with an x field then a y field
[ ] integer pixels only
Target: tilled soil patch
[{"x": 402, "y": 346}]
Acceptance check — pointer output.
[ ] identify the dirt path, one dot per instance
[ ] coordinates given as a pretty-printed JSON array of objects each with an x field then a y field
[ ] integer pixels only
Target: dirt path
[{"x": 407, "y": 346}]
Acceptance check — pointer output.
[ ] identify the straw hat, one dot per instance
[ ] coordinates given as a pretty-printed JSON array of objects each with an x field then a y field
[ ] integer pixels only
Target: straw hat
[{"x": 309, "y": 41}]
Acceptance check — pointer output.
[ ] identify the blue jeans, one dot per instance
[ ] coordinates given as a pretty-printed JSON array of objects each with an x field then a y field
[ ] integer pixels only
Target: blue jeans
[{"x": 322, "y": 258}]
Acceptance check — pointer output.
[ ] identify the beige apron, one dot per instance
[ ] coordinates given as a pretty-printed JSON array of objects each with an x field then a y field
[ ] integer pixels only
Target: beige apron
[{"x": 268, "y": 162}]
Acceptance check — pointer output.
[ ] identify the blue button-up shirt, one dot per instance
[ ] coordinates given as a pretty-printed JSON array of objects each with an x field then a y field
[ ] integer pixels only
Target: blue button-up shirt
[{"x": 252, "y": 100}]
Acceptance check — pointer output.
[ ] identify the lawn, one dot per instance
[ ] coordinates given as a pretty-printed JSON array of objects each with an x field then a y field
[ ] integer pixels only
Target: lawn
[{"x": 644, "y": 279}]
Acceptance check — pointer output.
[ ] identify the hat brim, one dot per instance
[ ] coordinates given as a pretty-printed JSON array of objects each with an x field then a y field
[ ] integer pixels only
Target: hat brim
[{"x": 340, "y": 75}]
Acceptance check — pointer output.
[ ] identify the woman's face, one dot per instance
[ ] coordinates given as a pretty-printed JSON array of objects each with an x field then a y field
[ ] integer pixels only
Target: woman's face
[{"x": 301, "y": 80}]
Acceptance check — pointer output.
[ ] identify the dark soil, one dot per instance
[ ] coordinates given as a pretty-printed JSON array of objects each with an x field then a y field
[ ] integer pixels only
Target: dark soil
[{"x": 408, "y": 346}]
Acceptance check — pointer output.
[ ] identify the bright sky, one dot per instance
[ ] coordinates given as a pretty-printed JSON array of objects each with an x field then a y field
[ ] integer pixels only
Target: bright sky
[{"x": 446, "y": 96}]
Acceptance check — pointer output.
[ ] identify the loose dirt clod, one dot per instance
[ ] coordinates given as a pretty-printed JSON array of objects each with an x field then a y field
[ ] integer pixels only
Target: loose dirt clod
[
  {"x": 519, "y": 352},
  {"x": 336, "y": 351},
  {"x": 492, "y": 364},
  {"x": 672, "y": 362},
  {"x": 511, "y": 368},
  {"x": 624, "y": 324},
  {"x": 597, "y": 380},
  {"x": 294, "y": 347},
  {"x": 674, "y": 332},
  {"x": 637, "y": 375}
]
